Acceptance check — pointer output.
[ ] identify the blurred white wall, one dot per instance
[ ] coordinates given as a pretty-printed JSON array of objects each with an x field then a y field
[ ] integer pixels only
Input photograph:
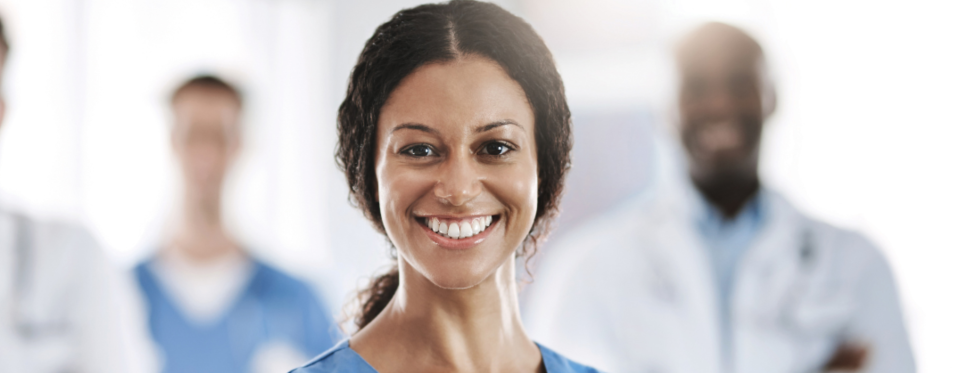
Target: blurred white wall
[{"x": 863, "y": 136}]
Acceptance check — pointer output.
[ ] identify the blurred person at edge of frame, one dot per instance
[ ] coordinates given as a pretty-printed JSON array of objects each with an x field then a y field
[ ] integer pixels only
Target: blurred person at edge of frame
[
  {"x": 212, "y": 306},
  {"x": 455, "y": 140},
  {"x": 64, "y": 307},
  {"x": 711, "y": 271}
]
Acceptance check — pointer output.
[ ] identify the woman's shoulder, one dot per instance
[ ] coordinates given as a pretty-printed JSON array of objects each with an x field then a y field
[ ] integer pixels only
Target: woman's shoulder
[
  {"x": 556, "y": 363},
  {"x": 338, "y": 359}
]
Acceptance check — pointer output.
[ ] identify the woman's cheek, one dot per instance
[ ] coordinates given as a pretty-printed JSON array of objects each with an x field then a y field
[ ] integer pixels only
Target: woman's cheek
[
  {"x": 398, "y": 189},
  {"x": 518, "y": 190}
]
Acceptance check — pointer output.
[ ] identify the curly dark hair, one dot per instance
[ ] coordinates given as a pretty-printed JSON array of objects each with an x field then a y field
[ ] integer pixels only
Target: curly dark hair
[{"x": 445, "y": 32}]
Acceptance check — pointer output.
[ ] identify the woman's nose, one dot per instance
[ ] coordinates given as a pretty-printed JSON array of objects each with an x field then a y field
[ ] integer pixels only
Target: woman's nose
[{"x": 459, "y": 181}]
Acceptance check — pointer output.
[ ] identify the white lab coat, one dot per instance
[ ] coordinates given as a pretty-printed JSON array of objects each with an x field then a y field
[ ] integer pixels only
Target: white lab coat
[
  {"x": 632, "y": 291},
  {"x": 63, "y": 307}
]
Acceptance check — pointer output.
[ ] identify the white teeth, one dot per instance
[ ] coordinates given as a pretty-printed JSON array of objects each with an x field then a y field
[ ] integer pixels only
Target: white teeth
[
  {"x": 466, "y": 230},
  {"x": 459, "y": 229},
  {"x": 454, "y": 231}
]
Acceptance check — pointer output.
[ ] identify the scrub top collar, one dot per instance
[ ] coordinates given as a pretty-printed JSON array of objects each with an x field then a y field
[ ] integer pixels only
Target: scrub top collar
[{"x": 342, "y": 358}]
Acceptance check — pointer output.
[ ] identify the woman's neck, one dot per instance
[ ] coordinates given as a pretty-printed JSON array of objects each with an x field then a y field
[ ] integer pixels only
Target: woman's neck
[{"x": 427, "y": 328}]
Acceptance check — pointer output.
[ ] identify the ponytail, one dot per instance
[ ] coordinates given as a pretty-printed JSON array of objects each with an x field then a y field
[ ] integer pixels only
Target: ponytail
[{"x": 375, "y": 297}]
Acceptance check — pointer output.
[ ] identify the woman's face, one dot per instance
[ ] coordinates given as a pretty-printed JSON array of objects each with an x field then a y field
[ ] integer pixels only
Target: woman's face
[{"x": 456, "y": 168}]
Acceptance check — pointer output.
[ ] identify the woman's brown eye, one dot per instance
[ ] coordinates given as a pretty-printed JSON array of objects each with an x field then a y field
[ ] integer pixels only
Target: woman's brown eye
[
  {"x": 496, "y": 148},
  {"x": 419, "y": 151}
]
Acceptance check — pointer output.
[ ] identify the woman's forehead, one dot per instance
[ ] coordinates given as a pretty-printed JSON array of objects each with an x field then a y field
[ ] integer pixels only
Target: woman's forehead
[{"x": 469, "y": 90}]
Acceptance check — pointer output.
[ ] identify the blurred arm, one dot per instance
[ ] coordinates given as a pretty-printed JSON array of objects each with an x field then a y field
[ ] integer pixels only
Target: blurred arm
[
  {"x": 108, "y": 314},
  {"x": 878, "y": 328}
]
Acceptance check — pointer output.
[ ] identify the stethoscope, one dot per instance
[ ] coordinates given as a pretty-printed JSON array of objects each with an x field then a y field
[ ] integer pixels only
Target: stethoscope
[
  {"x": 23, "y": 284},
  {"x": 23, "y": 260},
  {"x": 807, "y": 255}
]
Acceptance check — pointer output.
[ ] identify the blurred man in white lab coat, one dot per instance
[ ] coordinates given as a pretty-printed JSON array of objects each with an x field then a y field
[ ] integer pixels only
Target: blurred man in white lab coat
[
  {"x": 63, "y": 307},
  {"x": 710, "y": 271}
]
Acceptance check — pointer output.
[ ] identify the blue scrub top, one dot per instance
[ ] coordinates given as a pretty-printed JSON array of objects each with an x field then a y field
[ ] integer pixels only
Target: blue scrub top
[
  {"x": 343, "y": 359},
  {"x": 274, "y": 307}
]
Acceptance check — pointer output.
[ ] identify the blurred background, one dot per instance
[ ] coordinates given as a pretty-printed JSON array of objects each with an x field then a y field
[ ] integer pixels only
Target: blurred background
[{"x": 864, "y": 137}]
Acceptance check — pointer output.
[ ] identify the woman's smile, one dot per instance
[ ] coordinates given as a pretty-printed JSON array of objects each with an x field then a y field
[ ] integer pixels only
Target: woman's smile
[{"x": 458, "y": 233}]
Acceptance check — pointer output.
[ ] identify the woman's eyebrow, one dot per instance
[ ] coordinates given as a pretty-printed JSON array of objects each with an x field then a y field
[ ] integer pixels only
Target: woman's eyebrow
[
  {"x": 414, "y": 126},
  {"x": 502, "y": 122}
]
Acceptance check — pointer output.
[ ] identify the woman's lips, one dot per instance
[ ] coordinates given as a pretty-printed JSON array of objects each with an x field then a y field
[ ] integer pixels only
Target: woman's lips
[
  {"x": 458, "y": 233},
  {"x": 459, "y": 228}
]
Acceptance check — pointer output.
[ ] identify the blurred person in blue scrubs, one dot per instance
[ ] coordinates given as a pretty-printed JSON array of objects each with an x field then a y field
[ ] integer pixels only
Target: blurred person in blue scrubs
[
  {"x": 64, "y": 307},
  {"x": 213, "y": 307},
  {"x": 711, "y": 271}
]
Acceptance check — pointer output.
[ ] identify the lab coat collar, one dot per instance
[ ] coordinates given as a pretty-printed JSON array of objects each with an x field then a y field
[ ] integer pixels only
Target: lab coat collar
[
  {"x": 678, "y": 248},
  {"x": 779, "y": 219}
]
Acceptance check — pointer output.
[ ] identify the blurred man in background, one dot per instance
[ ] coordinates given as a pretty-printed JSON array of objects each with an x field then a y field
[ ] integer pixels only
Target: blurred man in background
[
  {"x": 63, "y": 306},
  {"x": 213, "y": 307},
  {"x": 711, "y": 271}
]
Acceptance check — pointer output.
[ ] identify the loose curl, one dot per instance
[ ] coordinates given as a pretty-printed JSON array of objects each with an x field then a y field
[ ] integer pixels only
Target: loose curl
[{"x": 445, "y": 32}]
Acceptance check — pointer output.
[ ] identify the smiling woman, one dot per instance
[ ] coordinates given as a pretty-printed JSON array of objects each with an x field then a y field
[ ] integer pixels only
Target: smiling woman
[{"x": 455, "y": 139}]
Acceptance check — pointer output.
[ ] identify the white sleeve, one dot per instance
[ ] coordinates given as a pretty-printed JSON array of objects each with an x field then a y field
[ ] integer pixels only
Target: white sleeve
[
  {"x": 879, "y": 320},
  {"x": 112, "y": 333}
]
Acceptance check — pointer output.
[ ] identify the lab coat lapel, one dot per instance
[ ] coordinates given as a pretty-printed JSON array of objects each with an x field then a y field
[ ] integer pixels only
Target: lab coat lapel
[
  {"x": 691, "y": 275},
  {"x": 766, "y": 280}
]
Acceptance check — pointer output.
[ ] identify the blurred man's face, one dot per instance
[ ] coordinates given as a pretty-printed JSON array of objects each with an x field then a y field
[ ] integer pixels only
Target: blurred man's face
[
  {"x": 205, "y": 138},
  {"x": 721, "y": 105}
]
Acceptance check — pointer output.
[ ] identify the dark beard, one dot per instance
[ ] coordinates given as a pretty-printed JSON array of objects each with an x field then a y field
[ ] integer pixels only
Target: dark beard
[{"x": 728, "y": 192}]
